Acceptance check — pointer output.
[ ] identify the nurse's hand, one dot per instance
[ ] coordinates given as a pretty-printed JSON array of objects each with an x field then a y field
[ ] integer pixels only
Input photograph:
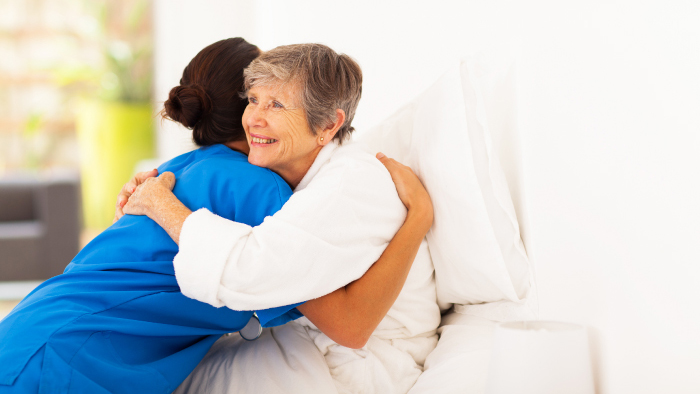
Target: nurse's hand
[{"x": 129, "y": 188}]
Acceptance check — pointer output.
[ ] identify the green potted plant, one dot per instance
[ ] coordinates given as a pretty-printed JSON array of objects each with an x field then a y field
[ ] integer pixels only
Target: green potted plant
[{"x": 115, "y": 126}]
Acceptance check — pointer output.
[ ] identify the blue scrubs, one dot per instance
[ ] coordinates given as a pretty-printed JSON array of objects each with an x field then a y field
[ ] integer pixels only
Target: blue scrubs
[{"x": 115, "y": 320}]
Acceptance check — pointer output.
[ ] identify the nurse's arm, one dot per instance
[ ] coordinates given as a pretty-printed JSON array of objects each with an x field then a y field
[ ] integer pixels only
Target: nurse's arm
[{"x": 350, "y": 314}]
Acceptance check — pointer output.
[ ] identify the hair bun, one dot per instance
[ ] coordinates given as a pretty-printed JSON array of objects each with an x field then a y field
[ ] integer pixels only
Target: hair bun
[{"x": 187, "y": 104}]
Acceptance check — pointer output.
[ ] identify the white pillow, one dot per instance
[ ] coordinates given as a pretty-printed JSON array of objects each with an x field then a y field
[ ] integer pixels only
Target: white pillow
[{"x": 475, "y": 241}]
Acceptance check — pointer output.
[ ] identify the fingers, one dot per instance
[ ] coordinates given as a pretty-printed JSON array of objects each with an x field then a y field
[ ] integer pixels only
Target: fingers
[
  {"x": 138, "y": 179},
  {"x": 384, "y": 158},
  {"x": 133, "y": 183},
  {"x": 167, "y": 179},
  {"x": 118, "y": 214},
  {"x": 391, "y": 164},
  {"x": 127, "y": 209},
  {"x": 129, "y": 188},
  {"x": 122, "y": 198},
  {"x": 387, "y": 161},
  {"x": 142, "y": 176}
]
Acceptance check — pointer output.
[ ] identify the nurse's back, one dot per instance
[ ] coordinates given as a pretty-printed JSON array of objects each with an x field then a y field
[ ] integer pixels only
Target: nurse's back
[
  {"x": 215, "y": 177},
  {"x": 118, "y": 307},
  {"x": 116, "y": 321}
]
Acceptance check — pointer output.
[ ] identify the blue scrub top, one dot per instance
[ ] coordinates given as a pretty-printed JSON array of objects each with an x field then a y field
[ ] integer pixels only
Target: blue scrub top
[{"x": 115, "y": 320}]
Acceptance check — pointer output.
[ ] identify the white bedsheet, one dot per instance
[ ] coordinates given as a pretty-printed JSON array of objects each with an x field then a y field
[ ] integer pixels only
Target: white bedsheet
[{"x": 282, "y": 360}]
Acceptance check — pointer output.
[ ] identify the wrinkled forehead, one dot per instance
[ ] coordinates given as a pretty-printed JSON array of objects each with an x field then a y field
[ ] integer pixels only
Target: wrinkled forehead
[{"x": 289, "y": 91}]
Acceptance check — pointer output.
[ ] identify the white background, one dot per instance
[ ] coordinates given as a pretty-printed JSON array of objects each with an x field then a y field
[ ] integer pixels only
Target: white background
[{"x": 609, "y": 120}]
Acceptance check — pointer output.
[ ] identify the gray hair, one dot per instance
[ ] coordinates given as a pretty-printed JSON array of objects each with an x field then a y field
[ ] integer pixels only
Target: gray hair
[{"x": 327, "y": 81}]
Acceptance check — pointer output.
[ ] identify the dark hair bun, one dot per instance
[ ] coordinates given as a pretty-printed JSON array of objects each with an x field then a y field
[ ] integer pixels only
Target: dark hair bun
[
  {"x": 188, "y": 104},
  {"x": 207, "y": 100}
]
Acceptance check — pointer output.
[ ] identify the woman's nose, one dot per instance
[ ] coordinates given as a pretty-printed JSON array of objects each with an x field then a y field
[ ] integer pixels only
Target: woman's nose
[{"x": 256, "y": 117}]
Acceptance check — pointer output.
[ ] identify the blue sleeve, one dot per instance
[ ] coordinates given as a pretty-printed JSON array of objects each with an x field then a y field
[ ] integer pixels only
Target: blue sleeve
[{"x": 277, "y": 316}]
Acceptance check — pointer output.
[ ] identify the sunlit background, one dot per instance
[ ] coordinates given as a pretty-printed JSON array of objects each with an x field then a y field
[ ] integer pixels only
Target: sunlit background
[
  {"x": 608, "y": 103},
  {"x": 76, "y": 116},
  {"x": 75, "y": 92}
]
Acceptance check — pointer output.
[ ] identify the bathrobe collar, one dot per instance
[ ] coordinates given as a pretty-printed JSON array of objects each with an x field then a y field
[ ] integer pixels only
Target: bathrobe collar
[{"x": 323, "y": 157}]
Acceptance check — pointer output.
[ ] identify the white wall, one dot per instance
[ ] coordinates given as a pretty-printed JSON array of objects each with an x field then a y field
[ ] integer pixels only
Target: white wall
[
  {"x": 609, "y": 110},
  {"x": 608, "y": 116},
  {"x": 181, "y": 29}
]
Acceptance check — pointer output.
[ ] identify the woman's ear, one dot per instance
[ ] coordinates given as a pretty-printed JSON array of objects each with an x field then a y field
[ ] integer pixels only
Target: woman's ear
[{"x": 327, "y": 134}]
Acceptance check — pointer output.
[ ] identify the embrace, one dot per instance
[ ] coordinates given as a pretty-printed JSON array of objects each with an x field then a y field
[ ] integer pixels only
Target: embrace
[{"x": 279, "y": 217}]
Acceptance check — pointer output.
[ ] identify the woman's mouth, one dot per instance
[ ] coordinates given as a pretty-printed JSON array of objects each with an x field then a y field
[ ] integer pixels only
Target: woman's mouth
[{"x": 261, "y": 140}]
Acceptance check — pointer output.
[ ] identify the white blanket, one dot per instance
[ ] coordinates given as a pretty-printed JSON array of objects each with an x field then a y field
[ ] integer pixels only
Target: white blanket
[{"x": 336, "y": 225}]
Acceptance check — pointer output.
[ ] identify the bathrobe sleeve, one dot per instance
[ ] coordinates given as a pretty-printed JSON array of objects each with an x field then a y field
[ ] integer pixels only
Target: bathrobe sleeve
[{"x": 326, "y": 236}]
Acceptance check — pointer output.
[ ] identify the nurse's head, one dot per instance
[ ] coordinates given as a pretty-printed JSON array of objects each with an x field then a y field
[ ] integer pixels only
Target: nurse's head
[
  {"x": 300, "y": 98},
  {"x": 208, "y": 101}
]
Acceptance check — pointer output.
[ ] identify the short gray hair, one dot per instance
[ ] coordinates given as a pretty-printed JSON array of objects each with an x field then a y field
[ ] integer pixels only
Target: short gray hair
[{"x": 327, "y": 81}]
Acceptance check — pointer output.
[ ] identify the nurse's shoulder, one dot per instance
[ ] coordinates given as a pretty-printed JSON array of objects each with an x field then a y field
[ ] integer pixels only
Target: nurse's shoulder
[
  {"x": 235, "y": 188},
  {"x": 224, "y": 164}
]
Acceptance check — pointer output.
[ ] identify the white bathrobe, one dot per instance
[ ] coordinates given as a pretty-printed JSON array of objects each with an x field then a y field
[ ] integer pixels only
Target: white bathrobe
[{"x": 335, "y": 226}]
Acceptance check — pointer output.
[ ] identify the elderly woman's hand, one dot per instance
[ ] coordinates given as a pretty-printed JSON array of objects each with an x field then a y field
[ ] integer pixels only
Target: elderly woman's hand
[
  {"x": 155, "y": 199},
  {"x": 129, "y": 188},
  {"x": 411, "y": 191},
  {"x": 153, "y": 192}
]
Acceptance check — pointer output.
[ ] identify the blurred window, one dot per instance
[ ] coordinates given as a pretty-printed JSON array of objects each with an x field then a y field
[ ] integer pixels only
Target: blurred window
[{"x": 54, "y": 54}]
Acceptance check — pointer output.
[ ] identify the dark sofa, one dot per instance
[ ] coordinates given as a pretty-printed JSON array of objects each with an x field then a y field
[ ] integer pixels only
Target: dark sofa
[{"x": 40, "y": 225}]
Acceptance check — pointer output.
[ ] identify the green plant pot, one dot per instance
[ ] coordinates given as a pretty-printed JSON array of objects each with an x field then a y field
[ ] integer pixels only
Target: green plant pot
[{"x": 113, "y": 137}]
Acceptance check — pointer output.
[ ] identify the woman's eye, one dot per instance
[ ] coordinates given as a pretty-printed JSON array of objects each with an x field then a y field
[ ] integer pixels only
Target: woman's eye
[
  {"x": 277, "y": 104},
  {"x": 252, "y": 100}
]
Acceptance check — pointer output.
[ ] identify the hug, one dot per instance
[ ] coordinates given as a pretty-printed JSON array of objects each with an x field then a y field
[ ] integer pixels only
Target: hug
[{"x": 279, "y": 217}]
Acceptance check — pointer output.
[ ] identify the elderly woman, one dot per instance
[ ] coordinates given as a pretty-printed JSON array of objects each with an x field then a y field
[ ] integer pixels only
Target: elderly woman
[{"x": 341, "y": 217}]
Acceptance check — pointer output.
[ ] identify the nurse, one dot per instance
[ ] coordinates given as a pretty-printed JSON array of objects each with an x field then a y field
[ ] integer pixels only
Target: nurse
[{"x": 115, "y": 321}]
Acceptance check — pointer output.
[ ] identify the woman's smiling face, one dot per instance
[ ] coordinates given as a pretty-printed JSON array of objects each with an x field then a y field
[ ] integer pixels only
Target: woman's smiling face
[{"x": 278, "y": 132}]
